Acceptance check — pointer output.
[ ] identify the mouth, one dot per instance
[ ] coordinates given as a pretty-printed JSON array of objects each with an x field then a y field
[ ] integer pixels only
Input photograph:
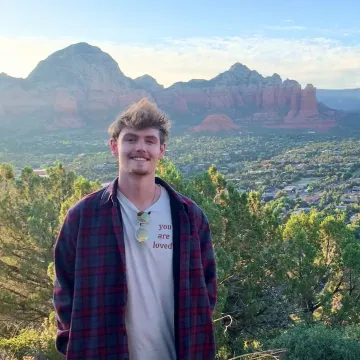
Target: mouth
[{"x": 140, "y": 159}]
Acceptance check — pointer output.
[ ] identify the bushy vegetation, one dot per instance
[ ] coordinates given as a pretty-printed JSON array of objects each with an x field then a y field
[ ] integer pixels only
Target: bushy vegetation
[
  {"x": 319, "y": 342},
  {"x": 290, "y": 284}
]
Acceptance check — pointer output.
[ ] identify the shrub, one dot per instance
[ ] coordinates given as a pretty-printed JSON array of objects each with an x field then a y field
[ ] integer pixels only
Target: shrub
[
  {"x": 318, "y": 342},
  {"x": 32, "y": 342}
]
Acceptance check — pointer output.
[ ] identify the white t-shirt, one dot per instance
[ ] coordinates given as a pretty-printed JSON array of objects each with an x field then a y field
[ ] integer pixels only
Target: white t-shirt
[{"x": 150, "y": 301}]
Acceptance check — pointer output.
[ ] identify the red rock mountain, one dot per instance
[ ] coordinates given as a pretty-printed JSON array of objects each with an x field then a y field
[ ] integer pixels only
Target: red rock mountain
[
  {"x": 82, "y": 86},
  {"x": 216, "y": 123}
]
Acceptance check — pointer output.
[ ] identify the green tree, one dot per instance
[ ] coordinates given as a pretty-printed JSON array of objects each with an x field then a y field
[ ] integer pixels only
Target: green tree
[
  {"x": 318, "y": 342},
  {"x": 29, "y": 221},
  {"x": 272, "y": 271},
  {"x": 321, "y": 267},
  {"x": 247, "y": 241}
]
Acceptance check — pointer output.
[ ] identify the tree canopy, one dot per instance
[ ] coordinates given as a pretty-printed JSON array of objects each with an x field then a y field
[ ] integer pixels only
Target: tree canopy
[{"x": 277, "y": 280}]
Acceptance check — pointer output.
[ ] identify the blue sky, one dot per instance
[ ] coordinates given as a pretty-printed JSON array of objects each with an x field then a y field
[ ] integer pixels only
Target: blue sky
[{"x": 310, "y": 41}]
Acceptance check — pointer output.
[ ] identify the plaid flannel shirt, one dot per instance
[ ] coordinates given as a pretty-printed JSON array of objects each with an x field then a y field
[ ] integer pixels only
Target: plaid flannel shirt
[{"x": 90, "y": 288}]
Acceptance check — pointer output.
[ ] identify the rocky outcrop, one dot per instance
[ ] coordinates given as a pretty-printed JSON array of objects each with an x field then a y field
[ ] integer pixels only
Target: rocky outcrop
[
  {"x": 216, "y": 123},
  {"x": 245, "y": 91},
  {"x": 303, "y": 105},
  {"x": 148, "y": 83},
  {"x": 82, "y": 85},
  {"x": 80, "y": 66},
  {"x": 64, "y": 102},
  {"x": 182, "y": 99},
  {"x": 238, "y": 87},
  {"x": 304, "y": 112},
  {"x": 69, "y": 88},
  {"x": 308, "y": 105},
  {"x": 18, "y": 100},
  {"x": 66, "y": 113},
  {"x": 294, "y": 105}
]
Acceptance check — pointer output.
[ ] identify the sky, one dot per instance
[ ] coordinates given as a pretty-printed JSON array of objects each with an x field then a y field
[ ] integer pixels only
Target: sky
[{"x": 311, "y": 41}]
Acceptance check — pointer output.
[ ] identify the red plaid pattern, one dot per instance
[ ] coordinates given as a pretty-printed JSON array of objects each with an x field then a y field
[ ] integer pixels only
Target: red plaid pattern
[{"x": 90, "y": 289}]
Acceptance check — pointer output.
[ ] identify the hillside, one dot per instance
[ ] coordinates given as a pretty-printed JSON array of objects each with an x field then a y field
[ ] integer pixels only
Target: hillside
[
  {"x": 347, "y": 99},
  {"x": 81, "y": 86}
]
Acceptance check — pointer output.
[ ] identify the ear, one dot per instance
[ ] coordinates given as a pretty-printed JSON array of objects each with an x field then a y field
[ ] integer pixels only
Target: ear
[
  {"x": 162, "y": 150},
  {"x": 114, "y": 147}
]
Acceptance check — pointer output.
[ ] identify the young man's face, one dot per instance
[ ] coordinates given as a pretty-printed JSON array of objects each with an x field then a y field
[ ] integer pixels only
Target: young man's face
[{"x": 138, "y": 150}]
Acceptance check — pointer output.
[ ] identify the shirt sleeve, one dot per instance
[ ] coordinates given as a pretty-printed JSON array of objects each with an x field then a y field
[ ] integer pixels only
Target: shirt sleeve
[
  {"x": 208, "y": 260},
  {"x": 64, "y": 264}
]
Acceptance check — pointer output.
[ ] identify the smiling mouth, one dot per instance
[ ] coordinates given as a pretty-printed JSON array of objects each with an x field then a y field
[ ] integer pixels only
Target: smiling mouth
[{"x": 139, "y": 159}]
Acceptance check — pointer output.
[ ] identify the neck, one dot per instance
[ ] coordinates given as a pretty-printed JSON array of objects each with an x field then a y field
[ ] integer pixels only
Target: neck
[{"x": 140, "y": 190}]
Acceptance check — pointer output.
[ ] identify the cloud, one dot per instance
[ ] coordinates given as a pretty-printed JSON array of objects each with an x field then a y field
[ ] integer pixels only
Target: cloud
[
  {"x": 324, "y": 62},
  {"x": 285, "y": 27},
  {"x": 336, "y": 31}
]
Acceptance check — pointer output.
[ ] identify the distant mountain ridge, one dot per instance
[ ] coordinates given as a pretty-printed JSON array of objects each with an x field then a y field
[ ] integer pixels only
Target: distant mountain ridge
[
  {"x": 82, "y": 86},
  {"x": 76, "y": 66},
  {"x": 346, "y": 99}
]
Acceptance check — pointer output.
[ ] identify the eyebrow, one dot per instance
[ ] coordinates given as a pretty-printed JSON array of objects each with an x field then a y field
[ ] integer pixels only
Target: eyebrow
[{"x": 153, "y": 137}]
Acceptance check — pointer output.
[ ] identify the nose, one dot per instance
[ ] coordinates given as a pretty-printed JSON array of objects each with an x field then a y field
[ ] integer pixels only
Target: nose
[{"x": 140, "y": 145}]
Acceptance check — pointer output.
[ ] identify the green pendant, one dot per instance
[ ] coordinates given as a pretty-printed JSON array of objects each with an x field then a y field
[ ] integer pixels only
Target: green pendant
[
  {"x": 142, "y": 235},
  {"x": 143, "y": 217}
]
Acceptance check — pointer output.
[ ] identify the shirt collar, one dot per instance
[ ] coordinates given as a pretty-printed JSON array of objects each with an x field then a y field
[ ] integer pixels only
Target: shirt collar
[{"x": 110, "y": 191}]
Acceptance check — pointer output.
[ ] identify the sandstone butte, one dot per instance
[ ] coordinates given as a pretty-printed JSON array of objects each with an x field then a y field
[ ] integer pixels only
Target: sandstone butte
[
  {"x": 82, "y": 85},
  {"x": 216, "y": 123}
]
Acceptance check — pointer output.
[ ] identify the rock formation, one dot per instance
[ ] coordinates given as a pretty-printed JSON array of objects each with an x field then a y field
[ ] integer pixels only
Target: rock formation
[
  {"x": 82, "y": 85},
  {"x": 303, "y": 105},
  {"x": 304, "y": 112},
  {"x": 148, "y": 83},
  {"x": 216, "y": 123}
]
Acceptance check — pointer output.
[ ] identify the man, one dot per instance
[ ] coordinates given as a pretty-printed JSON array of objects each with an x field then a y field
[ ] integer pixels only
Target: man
[{"x": 134, "y": 262}]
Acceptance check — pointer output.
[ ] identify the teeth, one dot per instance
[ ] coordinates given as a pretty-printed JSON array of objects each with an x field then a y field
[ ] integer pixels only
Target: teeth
[{"x": 139, "y": 159}]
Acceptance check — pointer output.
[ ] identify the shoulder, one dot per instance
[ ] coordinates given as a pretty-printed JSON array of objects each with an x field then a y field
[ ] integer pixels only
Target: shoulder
[
  {"x": 88, "y": 203},
  {"x": 197, "y": 217},
  {"x": 79, "y": 215},
  {"x": 194, "y": 211}
]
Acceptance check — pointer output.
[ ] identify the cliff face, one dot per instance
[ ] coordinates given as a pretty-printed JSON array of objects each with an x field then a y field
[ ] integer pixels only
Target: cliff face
[
  {"x": 148, "y": 83},
  {"x": 304, "y": 112},
  {"x": 238, "y": 87},
  {"x": 82, "y": 85},
  {"x": 303, "y": 105},
  {"x": 67, "y": 88}
]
